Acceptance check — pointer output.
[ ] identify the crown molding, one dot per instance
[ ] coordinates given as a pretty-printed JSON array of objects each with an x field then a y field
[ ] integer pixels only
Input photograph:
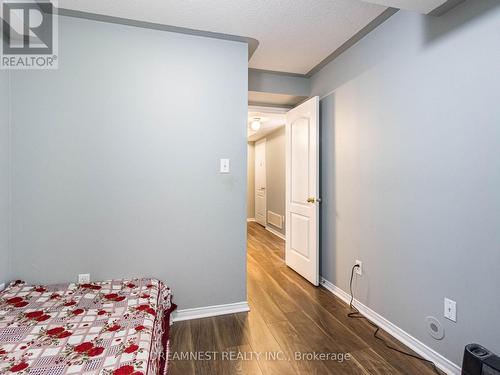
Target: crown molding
[
  {"x": 279, "y": 73},
  {"x": 445, "y": 8},
  {"x": 380, "y": 19},
  {"x": 252, "y": 43}
]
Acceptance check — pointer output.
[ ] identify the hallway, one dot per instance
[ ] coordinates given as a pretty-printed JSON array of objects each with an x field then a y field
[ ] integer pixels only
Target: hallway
[{"x": 289, "y": 317}]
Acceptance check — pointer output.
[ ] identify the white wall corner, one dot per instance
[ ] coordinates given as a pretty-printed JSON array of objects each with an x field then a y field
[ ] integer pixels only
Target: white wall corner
[{"x": 411, "y": 342}]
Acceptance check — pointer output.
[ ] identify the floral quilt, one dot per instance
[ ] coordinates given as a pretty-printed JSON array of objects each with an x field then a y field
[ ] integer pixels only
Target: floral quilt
[{"x": 117, "y": 327}]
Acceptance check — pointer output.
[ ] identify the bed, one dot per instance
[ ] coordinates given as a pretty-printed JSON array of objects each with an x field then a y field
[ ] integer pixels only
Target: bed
[{"x": 116, "y": 327}]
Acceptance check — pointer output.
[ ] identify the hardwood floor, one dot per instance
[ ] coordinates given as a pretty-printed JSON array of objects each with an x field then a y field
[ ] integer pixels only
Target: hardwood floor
[{"x": 289, "y": 317}]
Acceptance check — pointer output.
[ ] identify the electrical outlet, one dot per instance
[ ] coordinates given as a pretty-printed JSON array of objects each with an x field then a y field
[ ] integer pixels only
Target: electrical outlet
[
  {"x": 84, "y": 278},
  {"x": 450, "y": 310},
  {"x": 359, "y": 270}
]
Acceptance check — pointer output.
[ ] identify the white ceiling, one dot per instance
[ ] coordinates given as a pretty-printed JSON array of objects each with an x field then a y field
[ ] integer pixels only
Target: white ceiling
[
  {"x": 421, "y": 6},
  {"x": 294, "y": 35},
  {"x": 271, "y": 120}
]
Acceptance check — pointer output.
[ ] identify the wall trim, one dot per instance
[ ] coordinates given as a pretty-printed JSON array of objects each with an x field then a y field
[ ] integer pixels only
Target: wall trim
[
  {"x": 376, "y": 22},
  {"x": 269, "y": 105},
  {"x": 276, "y": 233},
  {"x": 419, "y": 347},
  {"x": 279, "y": 73},
  {"x": 209, "y": 311},
  {"x": 445, "y": 8},
  {"x": 268, "y": 108},
  {"x": 250, "y": 219},
  {"x": 252, "y": 43}
]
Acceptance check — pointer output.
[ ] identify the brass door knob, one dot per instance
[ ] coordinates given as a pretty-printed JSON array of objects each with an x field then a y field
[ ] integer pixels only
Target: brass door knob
[{"x": 313, "y": 200}]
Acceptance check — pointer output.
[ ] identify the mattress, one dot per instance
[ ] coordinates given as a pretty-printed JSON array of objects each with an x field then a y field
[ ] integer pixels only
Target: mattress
[{"x": 116, "y": 327}]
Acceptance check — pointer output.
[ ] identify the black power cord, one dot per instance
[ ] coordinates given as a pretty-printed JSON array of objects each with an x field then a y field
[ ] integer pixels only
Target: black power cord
[{"x": 355, "y": 314}]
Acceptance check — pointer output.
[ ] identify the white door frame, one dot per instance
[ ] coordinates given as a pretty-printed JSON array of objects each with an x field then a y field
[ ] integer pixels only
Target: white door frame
[{"x": 261, "y": 185}]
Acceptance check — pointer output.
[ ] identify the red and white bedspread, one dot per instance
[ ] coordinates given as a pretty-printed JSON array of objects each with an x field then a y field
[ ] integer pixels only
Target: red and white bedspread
[{"x": 117, "y": 327}]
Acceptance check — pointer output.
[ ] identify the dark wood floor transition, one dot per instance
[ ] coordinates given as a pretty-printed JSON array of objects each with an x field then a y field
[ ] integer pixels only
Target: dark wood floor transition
[{"x": 290, "y": 321}]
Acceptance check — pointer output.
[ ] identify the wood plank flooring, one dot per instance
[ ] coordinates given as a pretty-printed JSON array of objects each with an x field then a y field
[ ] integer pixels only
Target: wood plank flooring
[{"x": 289, "y": 318}]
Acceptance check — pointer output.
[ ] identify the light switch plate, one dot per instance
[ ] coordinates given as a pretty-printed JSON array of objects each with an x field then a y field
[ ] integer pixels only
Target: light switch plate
[
  {"x": 84, "y": 278},
  {"x": 224, "y": 165},
  {"x": 450, "y": 309}
]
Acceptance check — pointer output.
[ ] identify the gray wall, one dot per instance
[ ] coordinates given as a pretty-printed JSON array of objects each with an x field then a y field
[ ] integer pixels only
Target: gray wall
[
  {"x": 275, "y": 174},
  {"x": 278, "y": 83},
  {"x": 116, "y": 158},
  {"x": 251, "y": 180},
  {"x": 411, "y": 172},
  {"x": 4, "y": 177}
]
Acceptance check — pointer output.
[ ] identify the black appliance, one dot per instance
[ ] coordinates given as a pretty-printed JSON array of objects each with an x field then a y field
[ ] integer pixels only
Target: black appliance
[{"x": 480, "y": 361}]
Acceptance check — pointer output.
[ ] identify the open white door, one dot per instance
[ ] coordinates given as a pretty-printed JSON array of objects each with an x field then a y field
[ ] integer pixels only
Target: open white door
[{"x": 302, "y": 189}]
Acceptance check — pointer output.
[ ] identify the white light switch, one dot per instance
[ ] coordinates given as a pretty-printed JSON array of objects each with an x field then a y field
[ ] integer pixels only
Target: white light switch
[
  {"x": 83, "y": 278},
  {"x": 224, "y": 165},
  {"x": 450, "y": 309}
]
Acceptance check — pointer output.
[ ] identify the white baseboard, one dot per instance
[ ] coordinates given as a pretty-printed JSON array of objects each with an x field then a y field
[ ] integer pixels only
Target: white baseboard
[
  {"x": 276, "y": 233},
  {"x": 250, "y": 219},
  {"x": 206, "y": 312},
  {"x": 419, "y": 347}
]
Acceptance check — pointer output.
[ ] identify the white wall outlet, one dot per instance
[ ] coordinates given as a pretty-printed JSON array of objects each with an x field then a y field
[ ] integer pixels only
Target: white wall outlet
[
  {"x": 224, "y": 165},
  {"x": 2, "y": 286},
  {"x": 84, "y": 278},
  {"x": 359, "y": 270},
  {"x": 450, "y": 309}
]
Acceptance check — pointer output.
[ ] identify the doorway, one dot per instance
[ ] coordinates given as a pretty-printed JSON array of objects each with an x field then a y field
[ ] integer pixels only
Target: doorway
[
  {"x": 283, "y": 181},
  {"x": 266, "y": 168}
]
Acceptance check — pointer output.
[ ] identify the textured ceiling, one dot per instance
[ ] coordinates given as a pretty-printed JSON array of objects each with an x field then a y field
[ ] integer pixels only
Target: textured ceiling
[
  {"x": 294, "y": 35},
  {"x": 421, "y": 6}
]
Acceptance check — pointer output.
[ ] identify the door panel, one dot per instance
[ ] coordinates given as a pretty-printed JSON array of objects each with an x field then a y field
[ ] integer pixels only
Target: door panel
[
  {"x": 300, "y": 234},
  {"x": 302, "y": 189},
  {"x": 260, "y": 182},
  {"x": 299, "y": 169}
]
